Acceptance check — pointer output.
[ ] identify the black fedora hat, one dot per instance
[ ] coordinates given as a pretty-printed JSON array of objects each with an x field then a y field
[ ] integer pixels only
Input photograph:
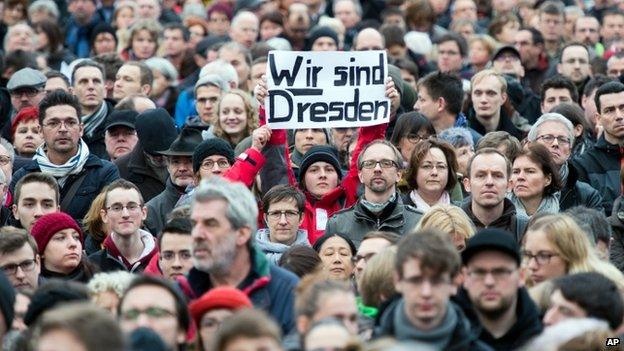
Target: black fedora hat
[{"x": 184, "y": 144}]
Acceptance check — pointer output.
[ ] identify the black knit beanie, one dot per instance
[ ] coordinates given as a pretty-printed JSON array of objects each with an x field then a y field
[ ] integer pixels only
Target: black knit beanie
[
  {"x": 319, "y": 153},
  {"x": 7, "y": 300},
  {"x": 209, "y": 147},
  {"x": 103, "y": 27},
  {"x": 156, "y": 130},
  {"x": 319, "y": 32}
]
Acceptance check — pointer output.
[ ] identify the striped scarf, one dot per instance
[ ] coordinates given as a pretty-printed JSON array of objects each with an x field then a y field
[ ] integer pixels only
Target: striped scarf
[
  {"x": 60, "y": 172},
  {"x": 92, "y": 121}
]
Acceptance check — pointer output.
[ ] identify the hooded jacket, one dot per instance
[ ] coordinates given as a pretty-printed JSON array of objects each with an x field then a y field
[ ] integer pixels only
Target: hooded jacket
[
  {"x": 110, "y": 259},
  {"x": 268, "y": 286},
  {"x": 508, "y": 221},
  {"x": 528, "y": 323},
  {"x": 600, "y": 168},
  {"x": 274, "y": 251}
]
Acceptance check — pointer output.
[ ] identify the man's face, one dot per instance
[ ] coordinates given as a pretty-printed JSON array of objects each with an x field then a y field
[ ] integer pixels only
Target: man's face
[
  {"x": 508, "y": 63},
  {"x": 207, "y": 97},
  {"x": 134, "y": 313},
  {"x": 465, "y": 9},
  {"x": 82, "y": 10},
  {"x": 369, "y": 40},
  {"x": 257, "y": 71},
  {"x": 306, "y": 138},
  {"x": 236, "y": 59},
  {"x": 148, "y": 9},
  {"x": 345, "y": 12},
  {"x": 574, "y": 64},
  {"x": 173, "y": 42},
  {"x": 62, "y": 129},
  {"x": 368, "y": 248},
  {"x": 246, "y": 31},
  {"x": 104, "y": 43},
  {"x": 426, "y": 294},
  {"x": 218, "y": 23},
  {"x": 36, "y": 199},
  {"x": 615, "y": 67},
  {"x": 120, "y": 140},
  {"x": 26, "y": 275},
  {"x": 551, "y": 26},
  {"x": 488, "y": 181},
  {"x": 612, "y": 28},
  {"x": 379, "y": 180},
  {"x": 283, "y": 219},
  {"x": 26, "y": 97},
  {"x": 488, "y": 97},
  {"x": 324, "y": 44},
  {"x": 559, "y": 151},
  {"x": 561, "y": 309},
  {"x": 529, "y": 52},
  {"x": 215, "y": 241},
  {"x": 20, "y": 37},
  {"x": 587, "y": 30},
  {"x": 426, "y": 105},
  {"x": 180, "y": 170},
  {"x": 175, "y": 258},
  {"x": 341, "y": 137},
  {"x": 55, "y": 83},
  {"x": 127, "y": 82},
  {"x": 7, "y": 168},
  {"x": 124, "y": 212},
  {"x": 296, "y": 28},
  {"x": 213, "y": 165},
  {"x": 89, "y": 87},
  {"x": 554, "y": 97},
  {"x": 612, "y": 115},
  {"x": 492, "y": 280},
  {"x": 449, "y": 57}
]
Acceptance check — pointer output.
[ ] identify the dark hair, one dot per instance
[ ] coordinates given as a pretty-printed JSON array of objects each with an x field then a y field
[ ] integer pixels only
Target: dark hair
[
  {"x": 447, "y": 86},
  {"x": 420, "y": 152},
  {"x": 393, "y": 35},
  {"x": 613, "y": 87},
  {"x": 501, "y": 138},
  {"x": 36, "y": 177},
  {"x": 594, "y": 83},
  {"x": 111, "y": 63},
  {"x": 393, "y": 238},
  {"x": 19, "y": 59},
  {"x": 56, "y": 98},
  {"x": 281, "y": 193},
  {"x": 611, "y": 11},
  {"x": 571, "y": 44},
  {"x": 498, "y": 23},
  {"x": 300, "y": 260},
  {"x": 177, "y": 226},
  {"x": 574, "y": 113},
  {"x": 122, "y": 184},
  {"x": 186, "y": 34},
  {"x": 432, "y": 248},
  {"x": 182, "y": 313},
  {"x": 558, "y": 82},
  {"x": 458, "y": 39},
  {"x": 410, "y": 123},
  {"x": 596, "y": 294},
  {"x": 13, "y": 239},
  {"x": 487, "y": 151},
  {"x": 53, "y": 31},
  {"x": 320, "y": 241},
  {"x": 53, "y": 293},
  {"x": 419, "y": 14},
  {"x": 246, "y": 323},
  {"x": 408, "y": 65},
  {"x": 273, "y": 17},
  {"x": 594, "y": 223},
  {"x": 540, "y": 155},
  {"x": 56, "y": 74},
  {"x": 87, "y": 63},
  {"x": 536, "y": 35},
  {"x": 146, "y": 75}
]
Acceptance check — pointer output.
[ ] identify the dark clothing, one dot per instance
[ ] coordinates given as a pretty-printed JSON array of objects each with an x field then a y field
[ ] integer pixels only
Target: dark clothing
[
  {"x": 269, "y": 287},
  {"x": 78, "y": 37},
  {"x": 160, "y": 206},
  {"x": 82, "y": 274},
  {"x": 534, "y": 77},
  {"x": 504, "y": 124},
  {"x": 99, "y": 173},
  {"x": 616, "y": 248},
  {"x": 528, "y": 323},
  {"x": 577, "y": 193},
  {"x": 508, "y": 221},
  {"x": 5, "y": 216},
  {"x": 357, "y": 220},
  {"x": 600, "y": 168},
  {"x": 110, "y": 259},
  {"x": 133, "y": 167},
  {"x": 55, "y": 60}
]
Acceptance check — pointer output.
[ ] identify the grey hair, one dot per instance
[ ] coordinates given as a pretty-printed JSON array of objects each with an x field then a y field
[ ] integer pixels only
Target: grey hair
[
  {"x": 44, "y": 5},
  {"x": 457, "y": 136},
  {"x": 242, "y": 209},
  {"x": 214, "y": 80},
  {"x": 234, "y": 46},
  {"x": 194, "y": 10},
  {"x": 356, "y": 4},
  {"x": 116, "y": 282},
  {"x": 165, "y": 67},
  {"x": 9, "y": 148},
  {"x": 551, "y": 116},
  {"x": 222, "y": 68}
]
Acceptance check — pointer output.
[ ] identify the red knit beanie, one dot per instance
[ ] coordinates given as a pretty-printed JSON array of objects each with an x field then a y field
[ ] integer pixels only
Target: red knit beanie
[
  {"x": 221, "y": 297},
  {"x": 50, "y": 224}
]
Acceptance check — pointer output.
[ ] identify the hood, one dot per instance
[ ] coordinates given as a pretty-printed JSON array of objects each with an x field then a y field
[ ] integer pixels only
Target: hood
[
  {"x": 153, "y": 268},
  {"x": 263, "y": 242},
  {"x": 149, "y": 250}
]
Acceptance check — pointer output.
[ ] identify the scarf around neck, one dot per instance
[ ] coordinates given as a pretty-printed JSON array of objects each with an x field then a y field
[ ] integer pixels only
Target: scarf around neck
[
  {"x": 549, "y": 204},
  {"x": 375, "y": 207},
  {"x": 563, "y": 172},
  {"x": 94, "y": 120},
  {"x": 438, "y": 337},
  {"x": 73, "y": 166},
  {"x": 422, "y": 205}
]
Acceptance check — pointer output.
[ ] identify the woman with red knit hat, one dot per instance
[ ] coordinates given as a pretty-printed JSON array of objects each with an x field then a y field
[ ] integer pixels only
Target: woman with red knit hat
[
  {"x": 59, "y": 240},
  {"x": 212, "y": 308}
]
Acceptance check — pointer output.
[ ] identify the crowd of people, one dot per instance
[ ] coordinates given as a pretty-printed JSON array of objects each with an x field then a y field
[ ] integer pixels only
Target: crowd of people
[{"x": 146, "y": 204}]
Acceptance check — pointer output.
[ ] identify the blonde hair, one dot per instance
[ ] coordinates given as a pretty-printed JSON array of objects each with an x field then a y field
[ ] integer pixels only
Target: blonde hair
[
  {"x": 376, "y": 284},
  {"x": 448, "y": 219},
  {"x": 92, "y": 221},
  {"x": 152, "y": 26},
  {"x": 487, "y": 41},
  {"x": 486, "y": 73},
  {"x": 573, "y": 247},
  {"x": 252, "y": 118}
]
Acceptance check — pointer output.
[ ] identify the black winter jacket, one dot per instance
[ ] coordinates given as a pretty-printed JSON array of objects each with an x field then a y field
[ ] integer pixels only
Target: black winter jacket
[{"x": 577, "y": 193}]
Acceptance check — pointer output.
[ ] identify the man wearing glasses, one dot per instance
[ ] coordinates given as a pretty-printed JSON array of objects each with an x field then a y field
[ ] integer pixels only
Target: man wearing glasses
[
  {"x": 19, "y": 259},
  {"x": 493, "y": 295},
  {"x": 26, "y": 88},
  {"x": 380, "y": 208},
  {"x": 128, "y": 247}
]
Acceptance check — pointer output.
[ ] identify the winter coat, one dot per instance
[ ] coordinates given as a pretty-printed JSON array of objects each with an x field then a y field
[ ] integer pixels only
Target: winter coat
[
  {"x": 110, "y": 259},
  {"x": 99, "y": 173},
  {"x": 160, "y": 206},
  {"x": 504, "y": 124},
  {"x": 356, "y": 220},
  {"x": 577, "y": 193},
  {"x": 133, "y": 167},
  {"x": 274, "y": 251},
  {"x": 600, "y": 167},
  {"x": 509, "y": 221}
]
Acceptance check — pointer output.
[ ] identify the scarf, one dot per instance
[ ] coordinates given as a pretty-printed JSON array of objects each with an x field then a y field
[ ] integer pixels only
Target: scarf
[
  {"x": 549, "y": 204},
  {"x": 438, "y": 337},
  {"x": 420, "y": 204},
  {"x": 375, "y": 207},
  {"x": 94, "y": 120},
  {"x": 563, "y": 172},
  {"x": 73, "y": 166}
]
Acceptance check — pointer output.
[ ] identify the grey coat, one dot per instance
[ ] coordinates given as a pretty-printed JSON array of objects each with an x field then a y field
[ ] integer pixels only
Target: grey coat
[
  {"x": 159, "y": 207},
  {"x": 274, "y": 251}
]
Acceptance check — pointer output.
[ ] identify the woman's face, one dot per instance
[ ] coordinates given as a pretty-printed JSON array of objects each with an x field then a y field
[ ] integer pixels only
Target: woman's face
[
  {"x": 125, "y": 18},
  {"x": 507, "y": 35},
  {"x": 528, "y": 179},
  {"x": 270, "y": 30},
  {"x": 42, "y": 40},
  {"x": 409, "y": 141},
  {"x": 432, "y": 175},
  {"x": 13, "y": 14},
  {"x": 197, "y": 34},
  {"x": 209, "y": 325},
  {"x": 160, "y": 84},
  {"x": 104, "y": 43},
  {"x": 479, "y": 54},
  {"x": 336, "y": 257},
  {"x": 540, "y": 258},
  {"x": 143, "y": 45},
  {"x": 320, "y": 178},
  {"x": 63, "y": 252},
  {"x": 218, "y": 23},
  {"x": 341, "y": 305},
  {"x": 232, "y": 114},
  {"x": 464, "y": 154},
  {"x": 27, "y": 137}
]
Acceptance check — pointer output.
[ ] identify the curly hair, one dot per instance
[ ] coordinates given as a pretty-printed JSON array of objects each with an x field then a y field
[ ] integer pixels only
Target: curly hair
[{"x": 250, "y": 112}]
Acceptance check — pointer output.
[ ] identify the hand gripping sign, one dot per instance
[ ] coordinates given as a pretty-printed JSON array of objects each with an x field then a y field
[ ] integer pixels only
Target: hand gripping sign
[{"x": 326, "y": 89}]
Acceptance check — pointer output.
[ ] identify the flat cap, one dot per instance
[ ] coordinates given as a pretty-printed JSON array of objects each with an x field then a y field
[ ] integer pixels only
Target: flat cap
[{"x": 26, "y": 78}]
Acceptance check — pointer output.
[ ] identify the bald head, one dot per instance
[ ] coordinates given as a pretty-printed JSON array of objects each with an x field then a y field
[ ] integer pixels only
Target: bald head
[{"x": 368, "y": 39}]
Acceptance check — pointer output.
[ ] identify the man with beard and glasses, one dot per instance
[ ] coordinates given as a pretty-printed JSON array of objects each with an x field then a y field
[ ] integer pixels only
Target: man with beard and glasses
[
  {"x": 493, "y": 294},
  {"x": 224, "y": 218}
]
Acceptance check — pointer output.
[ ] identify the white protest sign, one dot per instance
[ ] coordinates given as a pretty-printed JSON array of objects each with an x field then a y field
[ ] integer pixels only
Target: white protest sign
[{"x": 331, "y": 89}]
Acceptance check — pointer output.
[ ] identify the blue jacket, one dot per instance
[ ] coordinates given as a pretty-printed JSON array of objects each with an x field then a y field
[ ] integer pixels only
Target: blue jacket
[
  {"x": 99, "y": 174},
  {"x": 269, "y": 287},
  {"x": 185, "y": 107}
]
